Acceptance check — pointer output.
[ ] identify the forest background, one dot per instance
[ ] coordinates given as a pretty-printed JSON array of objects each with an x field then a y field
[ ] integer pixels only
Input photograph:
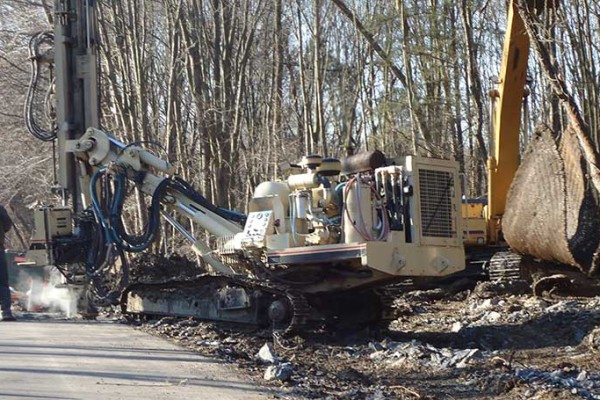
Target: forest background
[{"x": 231, "y": 89}]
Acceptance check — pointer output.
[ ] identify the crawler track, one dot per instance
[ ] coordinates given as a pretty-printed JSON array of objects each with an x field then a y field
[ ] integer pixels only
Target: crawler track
[
  {"x": 247, "y": 301},
  {"x": 232, "y": 299}
]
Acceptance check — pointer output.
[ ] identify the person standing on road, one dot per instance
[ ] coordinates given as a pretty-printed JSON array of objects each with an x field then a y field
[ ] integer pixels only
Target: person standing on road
[{"x": 5, "y": 301}]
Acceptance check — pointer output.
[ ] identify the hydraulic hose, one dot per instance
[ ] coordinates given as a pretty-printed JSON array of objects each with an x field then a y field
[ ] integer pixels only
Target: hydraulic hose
[
  {"x": 112, "y": 225},
  {"x": 30, "y": 118},
  {"x": 187, "y": 190},
  {"x": 109, "y": 211}
]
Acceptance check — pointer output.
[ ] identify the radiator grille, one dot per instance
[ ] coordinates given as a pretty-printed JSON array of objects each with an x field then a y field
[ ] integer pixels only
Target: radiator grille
[{"x": 437, "y": 194}]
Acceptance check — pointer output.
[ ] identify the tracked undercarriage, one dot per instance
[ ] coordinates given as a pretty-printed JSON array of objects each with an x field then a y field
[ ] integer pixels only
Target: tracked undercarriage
[
  {"x": 243, "y": 300},
  {"x": 541, "y": 276}
]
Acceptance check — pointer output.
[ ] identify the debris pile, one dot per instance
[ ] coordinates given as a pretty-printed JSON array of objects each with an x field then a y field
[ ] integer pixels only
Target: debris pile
[
  {"x": 414, "y": 354},
  {"x": 577, "y": 382},
  {"x": 146, "y": 268},
  {"x": 443, "y": 345}
]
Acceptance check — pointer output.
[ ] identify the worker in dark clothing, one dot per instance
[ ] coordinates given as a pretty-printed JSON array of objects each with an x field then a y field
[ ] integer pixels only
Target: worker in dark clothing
[{"x": 5, "y": 225}]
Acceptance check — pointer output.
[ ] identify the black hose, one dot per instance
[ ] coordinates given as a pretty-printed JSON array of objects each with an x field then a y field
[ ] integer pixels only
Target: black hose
[
  {"x": 30, "y": 120},
  {"x": 187, "y": 190},
  {"x": 112, "y": 224}
]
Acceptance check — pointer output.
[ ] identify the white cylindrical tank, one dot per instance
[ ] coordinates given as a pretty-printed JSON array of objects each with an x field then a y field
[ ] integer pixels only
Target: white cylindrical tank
[
  {"x": 301, "y": 202},
  {"x": 358, "y": 213},
  {"x": 271, "y": 188}
]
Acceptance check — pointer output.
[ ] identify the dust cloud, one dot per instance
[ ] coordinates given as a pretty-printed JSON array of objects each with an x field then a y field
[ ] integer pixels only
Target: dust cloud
[{"x": 46, "y": 292}]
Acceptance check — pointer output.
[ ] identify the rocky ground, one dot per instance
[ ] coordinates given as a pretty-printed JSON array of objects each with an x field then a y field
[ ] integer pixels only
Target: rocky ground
[{"x": 488, "y": 342}]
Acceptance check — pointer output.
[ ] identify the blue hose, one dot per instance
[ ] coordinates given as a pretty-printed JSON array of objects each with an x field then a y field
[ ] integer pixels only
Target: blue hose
[{"x": 112, "y": 225}]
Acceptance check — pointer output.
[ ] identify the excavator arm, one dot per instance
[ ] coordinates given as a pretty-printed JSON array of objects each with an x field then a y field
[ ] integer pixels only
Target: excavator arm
[{"x": 507, "y": 103}]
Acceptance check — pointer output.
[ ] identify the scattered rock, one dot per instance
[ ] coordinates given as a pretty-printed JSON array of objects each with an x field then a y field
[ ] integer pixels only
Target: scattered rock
[
  {"x": 412, "y": 354},
  {"x": 378, "y": 395},
  {"x": 593, "y": 339},
  {"x": 581, "y": 384},
  {"x": 375, "y": 346},
  {"x": 562, "y": 306},
  {"x": 583, "y": 375},
  {"x": 456, "y": 327},
  {"x": 493, "y": 316},
  {"x": 266, "y": 354},
  {"x": 282, "y": 372},
  {"x": 489, "y": 289},
  {"x": 208, "y": 343},
  {"x": 535, "y": 303},
  {"x": 427, "y": 295}
]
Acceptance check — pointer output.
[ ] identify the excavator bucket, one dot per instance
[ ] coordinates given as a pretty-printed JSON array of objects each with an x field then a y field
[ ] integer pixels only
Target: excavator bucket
[{"x": 553, "y": 210}]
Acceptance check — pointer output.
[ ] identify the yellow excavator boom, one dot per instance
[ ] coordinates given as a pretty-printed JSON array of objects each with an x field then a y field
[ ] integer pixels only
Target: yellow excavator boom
[{"x": 507, "y": 101}]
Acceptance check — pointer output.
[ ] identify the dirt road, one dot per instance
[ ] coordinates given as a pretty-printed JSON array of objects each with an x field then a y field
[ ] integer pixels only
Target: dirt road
[{"x": 50, "y": 359}]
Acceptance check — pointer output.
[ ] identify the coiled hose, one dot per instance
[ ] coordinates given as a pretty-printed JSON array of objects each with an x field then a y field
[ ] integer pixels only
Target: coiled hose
[
  {"x": 35, "y": 56},
  {"x": 109, "y": 208},
  {"x": 112, "y": 224}
]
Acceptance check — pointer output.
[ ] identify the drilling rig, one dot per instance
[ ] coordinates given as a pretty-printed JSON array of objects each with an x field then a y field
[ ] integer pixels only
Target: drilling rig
[
  {"x": 319, "y": 244},
  {"x": 315, "y": 246}
]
